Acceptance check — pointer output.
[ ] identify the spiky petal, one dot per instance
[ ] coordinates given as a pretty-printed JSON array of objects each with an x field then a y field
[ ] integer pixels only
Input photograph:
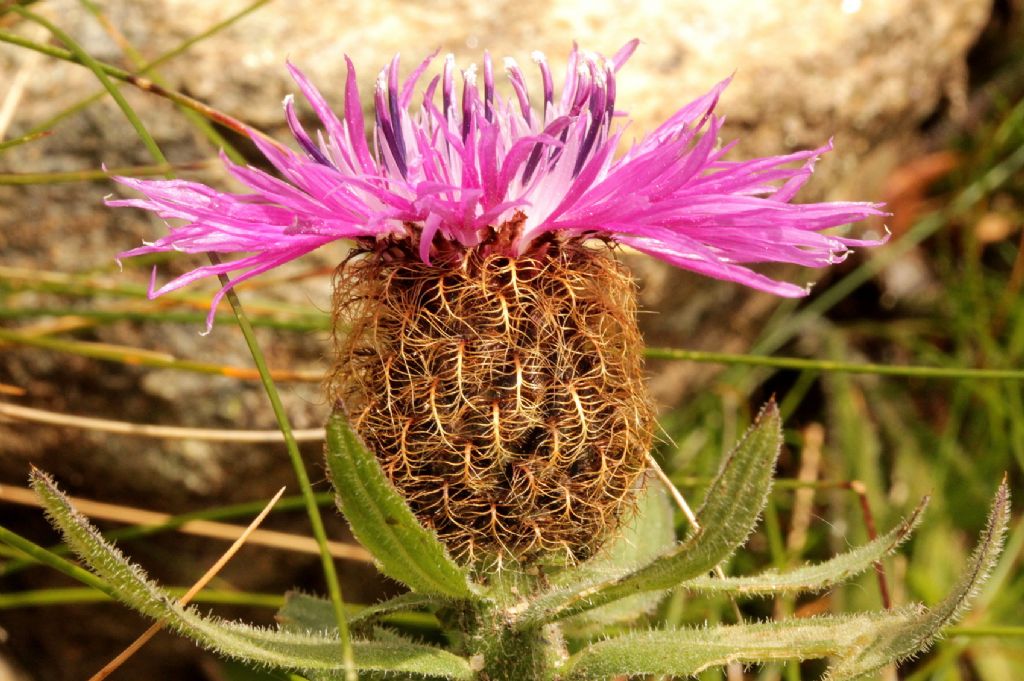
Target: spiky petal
[{"x": 462, "y": 164}]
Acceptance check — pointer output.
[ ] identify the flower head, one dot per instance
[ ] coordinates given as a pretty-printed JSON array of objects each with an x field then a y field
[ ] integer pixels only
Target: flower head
[
  {"x": 469, "y": 169},
  {"x": 485, "y": 350}
]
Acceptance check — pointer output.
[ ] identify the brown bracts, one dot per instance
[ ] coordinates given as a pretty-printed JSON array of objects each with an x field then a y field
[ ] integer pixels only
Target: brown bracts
[{"x": 503, "y": 396}]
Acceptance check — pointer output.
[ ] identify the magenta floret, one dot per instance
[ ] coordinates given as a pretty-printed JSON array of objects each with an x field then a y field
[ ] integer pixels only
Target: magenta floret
[{"x": 451, "y": 172}]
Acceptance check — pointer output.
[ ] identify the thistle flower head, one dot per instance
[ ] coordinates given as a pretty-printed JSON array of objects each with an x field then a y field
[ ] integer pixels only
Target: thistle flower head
[
  {"x": 458, "y": 169},
  {"x": 485, "y": 350}
]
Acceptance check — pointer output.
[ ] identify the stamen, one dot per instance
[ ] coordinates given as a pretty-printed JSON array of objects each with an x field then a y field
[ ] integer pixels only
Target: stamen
[
  {"x": 384, "y": 125},
  {"x": 469, "y": 97},
  {"x": 396, "y": 112},
  {"x": 448, "y": 86},
  {"x": 597, "y": 111},
  {"x": 299, "y": 133},
  {"x": 609, "y": 77},
  {"x": 488, "y": 87},
  {"x": 545, "y": 74}
]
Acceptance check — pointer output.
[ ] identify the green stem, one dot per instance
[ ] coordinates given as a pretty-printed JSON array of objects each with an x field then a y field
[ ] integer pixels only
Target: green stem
[
  {"x": 139, "y": 62},
  {"x": 146, "y": 358},
  {"x": 170, "y": 316},
  {"x": 69, "y": 595},
  {"x": 993, "y": 630},
  {"x": 101, "y": 73},
  {"x": 110, "y": 71},
  {"x": 327, "y": 562},
  {"x": 40, "y": 554},
  {"x": 183, "y": 47},
  {"x": 834, "y": 366},
  {"x": 18, "y": 278},
  {"x": 94, "y": 175}
]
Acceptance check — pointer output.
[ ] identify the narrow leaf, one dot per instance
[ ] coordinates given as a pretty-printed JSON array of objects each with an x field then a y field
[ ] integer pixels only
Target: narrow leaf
[
  {"x": 730, "y": 510},
  {"x": 281, "y": 649},
  {"x": 403, "y": 603},
  {"x": 302, "y": 612},
  {"x": 813, "y": 577},
  {"x": 383, "y": 522},
  {"x": 686, "y": 652},
  {"x": 917, "y": 634}
]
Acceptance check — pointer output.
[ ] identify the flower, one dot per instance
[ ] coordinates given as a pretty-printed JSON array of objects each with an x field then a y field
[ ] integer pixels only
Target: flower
[
  {"x": 486, "y": 346},
  {"x": 444, "y": 177}
]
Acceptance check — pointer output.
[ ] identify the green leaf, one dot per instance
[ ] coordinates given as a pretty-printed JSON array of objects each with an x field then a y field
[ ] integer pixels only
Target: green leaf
[
  {"x": 303, "y": 612},
  {"x": 403, "y": 603},
  {"x": 812, "y": 577},
  {"x": 383, "y": 522},
  {"x": 305, "y": 651},
  {"x": 730, "y": 510},
  {"x": 685, "y": 652},
  {"x": 915, "y": 635},
  {"x": 643, "y": 537}
]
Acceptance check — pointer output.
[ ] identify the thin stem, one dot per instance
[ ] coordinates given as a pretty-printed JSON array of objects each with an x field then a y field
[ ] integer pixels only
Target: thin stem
[
  {"x": 44, "y": 127},
  {"x": 101, "y": 73},
  {"x": 138, "y": 61},
  {"x": 333, "y": 586},
  {"x": 198, "y": 527},
  {"x": 691, "y": 518},
  {"x": 27, "y": 137},
  {"x": 172, "y": 523},
  {"x": 103, "y": 316},
  {"x": 41, "y": 555},
  {"x": 153, "y": 430},
  {"x": 994, "y": 630},
  {"x": 36, "y": 598},
  {"x": 149, "y": 358},
  {"x": 94, "y": 175},
  {"x": 800, "y": 363},
  {"x": 858, "y": 488},
  {"x": 144, "y": 84}
]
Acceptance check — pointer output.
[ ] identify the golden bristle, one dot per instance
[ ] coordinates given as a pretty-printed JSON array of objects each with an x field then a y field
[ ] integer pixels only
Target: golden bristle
[{"x": 502, "y": 396}]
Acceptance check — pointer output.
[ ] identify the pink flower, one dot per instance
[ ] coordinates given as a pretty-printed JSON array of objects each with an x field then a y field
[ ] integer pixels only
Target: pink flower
[{"x": 452, "y": 172}]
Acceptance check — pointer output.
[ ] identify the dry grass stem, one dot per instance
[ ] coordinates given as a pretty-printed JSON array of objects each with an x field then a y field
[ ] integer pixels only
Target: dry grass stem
[
  {"x": 803, "y": 500},
  {"x": 148, "y": 430},
  {"x": 201, "y": 528},
  {"x": 114, "y": 664}
]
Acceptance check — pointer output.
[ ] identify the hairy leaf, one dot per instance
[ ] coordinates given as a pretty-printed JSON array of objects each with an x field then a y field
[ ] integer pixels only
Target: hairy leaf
[
  {"x": 685, "y": 652},
  {"x": 644, "y": 537},
  {"x": 303, "y": 612},
  {"x": 282, "y": 649},
  {"x": 813, "y": 577},
  {"x": 911, "y": 637},
  {"x": 383, "y": 522},
  {"x": 730, "y": 510}
]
